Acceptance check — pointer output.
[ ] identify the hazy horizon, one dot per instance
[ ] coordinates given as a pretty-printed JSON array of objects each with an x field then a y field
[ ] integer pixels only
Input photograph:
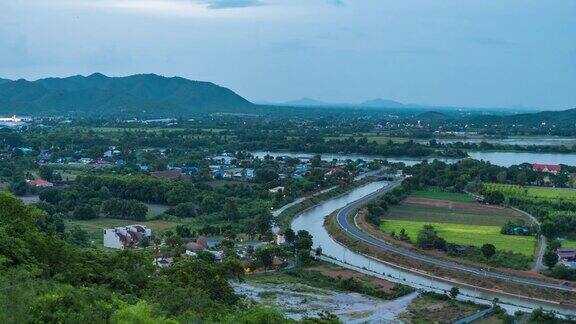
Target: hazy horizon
[{"x": 478, "y": 54}]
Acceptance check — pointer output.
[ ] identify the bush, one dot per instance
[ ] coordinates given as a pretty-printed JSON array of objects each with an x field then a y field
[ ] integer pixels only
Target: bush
[{"x": 84, "y": 212}]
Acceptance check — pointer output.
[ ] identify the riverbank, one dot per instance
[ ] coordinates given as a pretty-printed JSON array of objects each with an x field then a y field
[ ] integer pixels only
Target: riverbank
[
  {"x": 285, "y": 217},
  {"x": 545, "y": 296}
]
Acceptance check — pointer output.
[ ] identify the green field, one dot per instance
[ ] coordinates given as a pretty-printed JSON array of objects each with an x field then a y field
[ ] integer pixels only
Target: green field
[
  {"x": 536, "y": 192},
  {"x": 475, "y": 235},
  {"x": 412, "y": 212},
  {"x": 443, "y": 195},
  {"x": 568, "y": 244},
  {"x": 552, "y": 193}
]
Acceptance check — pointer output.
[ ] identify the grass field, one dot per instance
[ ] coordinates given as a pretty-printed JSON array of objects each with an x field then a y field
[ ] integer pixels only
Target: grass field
[
  {"x": 94, "y": 227},
  {"x": 437, "y": 194},
  {"x": 156, "y": 209},
  {"x": 536, "y": 192},
  {"x": 552, "y": 193},
  {"x": 443, "y": 215},
  {"x": 568, "y": 244},
  {"x": 475, "y": 235}
]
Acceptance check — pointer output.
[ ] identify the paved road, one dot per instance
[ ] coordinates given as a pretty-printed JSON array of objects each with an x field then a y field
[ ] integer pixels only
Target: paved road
[
  {"x": 541, "y": 242},
  {"x": 342, "y": 218}
]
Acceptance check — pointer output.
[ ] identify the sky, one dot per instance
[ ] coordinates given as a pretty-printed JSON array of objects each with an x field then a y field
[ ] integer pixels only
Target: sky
[{"x": 473, "y": 53}]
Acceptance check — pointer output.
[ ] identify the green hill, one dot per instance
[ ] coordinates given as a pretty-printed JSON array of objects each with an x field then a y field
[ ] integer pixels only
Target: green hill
[{"x": 97, "y": 94}]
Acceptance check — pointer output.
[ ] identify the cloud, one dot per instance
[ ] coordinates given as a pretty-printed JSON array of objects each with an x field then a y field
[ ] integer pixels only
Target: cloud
[{"x": 226, "y": 4}]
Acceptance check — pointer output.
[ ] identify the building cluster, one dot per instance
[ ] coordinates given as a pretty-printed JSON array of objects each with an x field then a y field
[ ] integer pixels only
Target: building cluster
[{"x": 126, "y": 236}]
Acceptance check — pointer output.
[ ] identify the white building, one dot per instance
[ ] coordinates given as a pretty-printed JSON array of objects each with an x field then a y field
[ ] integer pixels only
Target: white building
[{"x": 128, "y": 236}]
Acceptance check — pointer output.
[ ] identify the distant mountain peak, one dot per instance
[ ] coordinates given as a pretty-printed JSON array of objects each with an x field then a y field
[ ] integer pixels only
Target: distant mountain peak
[
  {"x": 103, "y": 95},
  {"x": 305, "y": 101},
  {"x": 382, "y": 103}
]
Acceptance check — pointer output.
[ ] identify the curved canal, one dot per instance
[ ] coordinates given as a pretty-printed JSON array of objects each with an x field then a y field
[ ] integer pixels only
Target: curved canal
[{"x": 312, "y": 220}]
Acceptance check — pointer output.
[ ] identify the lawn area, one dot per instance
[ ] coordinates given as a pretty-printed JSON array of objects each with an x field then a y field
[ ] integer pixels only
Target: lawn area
[
  {"x": 552, "y": 193},
  {"x": 536, "y": 192},
  {"x": 475, "y": 235},
  {"x": 568, "y": 244},
  {"x": 437, "y": 194},
  {"x": 156, "y": 209},
  {"x": 94, "y": 227},
  {"x": 414, "y": 212}
]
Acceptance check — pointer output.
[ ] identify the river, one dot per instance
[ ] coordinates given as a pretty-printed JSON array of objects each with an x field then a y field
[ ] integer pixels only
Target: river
[
  {"x": 504, "y": 159},
  {"x": 312, "y": 220},
  {"x": 522, "y": 141}
]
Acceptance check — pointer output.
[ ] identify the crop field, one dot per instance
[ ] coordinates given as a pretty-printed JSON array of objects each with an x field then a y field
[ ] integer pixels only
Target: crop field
[
  {"x": 536, "y": 192},
  {"x": 475, "y": 235},
  {"x": 443, "y": 215},
  {"x": 458, "y": 222},
  {"x": 437, "y": 194}
]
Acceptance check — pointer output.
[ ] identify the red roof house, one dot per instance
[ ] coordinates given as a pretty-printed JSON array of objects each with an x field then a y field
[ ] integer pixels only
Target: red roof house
[
  {"x": 552, "y": 168},
  {"x": 40, "y": 183}
]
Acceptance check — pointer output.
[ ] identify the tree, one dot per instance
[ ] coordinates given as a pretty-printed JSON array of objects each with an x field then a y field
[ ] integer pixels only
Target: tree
[
  {"x": 84, "y": 212},
  {"x": 501, "y": 176},
  {"x": 141, "y": 312},
  {"x": 265, "y": 175},
  {"x": 46, "y": 173},
  {"x": 550, "y": 259},
  {"x": 494, "y": 197},
  {"x": 440, "y": 244},
  {"x": 548, "y": 229},
  {"x": 264, "y": 256},
  {"x": 303, "y": 240},
  {"x": 18, "y": 187},
  {"x": 304, "y": 258},
  {"x": 185, "y": 210},
  {"x": 426, "y": 236},
  {"x": 183, "y": 230},
  {"x": 454, "y": 292},
  {"x": 488, "y": 250},
  {"x": 289, "y": 235},
  {"x": 78, "y": 236},
  {"x": 230, "y": 210}
]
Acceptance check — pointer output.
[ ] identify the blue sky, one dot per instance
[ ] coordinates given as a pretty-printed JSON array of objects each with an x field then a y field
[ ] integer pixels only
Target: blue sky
[{"x": 459, "y": 53}]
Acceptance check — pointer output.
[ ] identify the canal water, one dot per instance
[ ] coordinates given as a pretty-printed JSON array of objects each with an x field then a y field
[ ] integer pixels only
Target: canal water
[
  {"x": 505, "y": 159},
  {"x": 312, "y": 220}
]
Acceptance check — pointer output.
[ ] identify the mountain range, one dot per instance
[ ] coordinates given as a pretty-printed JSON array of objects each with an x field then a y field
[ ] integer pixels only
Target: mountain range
[
  {"x": 98, "y": 94},
  {"x": 373, "y": 103}
]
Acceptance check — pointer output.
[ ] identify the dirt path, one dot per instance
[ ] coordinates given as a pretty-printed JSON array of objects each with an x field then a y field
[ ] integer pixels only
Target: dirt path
[{"x": 299, "y": 301}]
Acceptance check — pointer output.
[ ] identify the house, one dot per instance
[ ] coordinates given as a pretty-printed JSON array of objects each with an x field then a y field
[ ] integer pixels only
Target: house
[
  {"x": 163, "y": 262},
  {"x": 550, "y": 168},
  {"x": 111, "y": 152},
  {"x": 280, "y": 238},
  {"x": 40, "y": 183},
  {"x": 86, "y": 160},
  {"x": 567, "y": 257},
  {"x": 277, "y": 189},
  {"x": 200, "y": 244},
  {"x": 223, "y": 159},
  {"x": 127, "y": 236},
  {"x": 250, "y": 174}
]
